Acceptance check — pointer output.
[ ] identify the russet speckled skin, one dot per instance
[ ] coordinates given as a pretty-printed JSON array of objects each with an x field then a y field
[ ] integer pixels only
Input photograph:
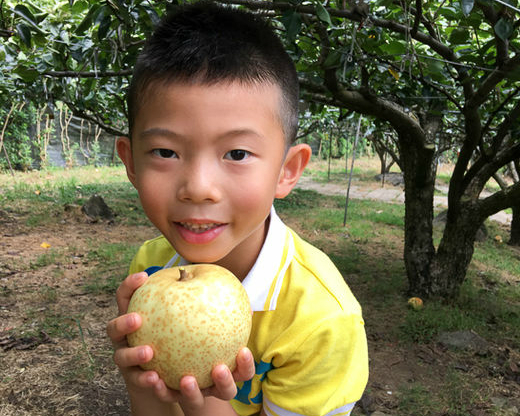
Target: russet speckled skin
[{"x": 192, "y": 324}]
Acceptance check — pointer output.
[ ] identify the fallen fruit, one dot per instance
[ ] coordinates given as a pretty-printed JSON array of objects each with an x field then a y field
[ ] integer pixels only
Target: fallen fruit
[
  {"x": 415, "y": 303},
  {"x": 194, "y": 317}
]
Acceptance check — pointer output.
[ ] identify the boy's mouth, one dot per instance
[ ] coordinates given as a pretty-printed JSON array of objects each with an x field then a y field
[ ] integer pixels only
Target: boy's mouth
[{"x": 199, "y": 228}]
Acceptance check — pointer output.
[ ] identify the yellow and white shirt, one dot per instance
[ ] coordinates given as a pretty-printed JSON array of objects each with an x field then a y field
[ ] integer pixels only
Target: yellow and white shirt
[{"x": 308, "y": 337}]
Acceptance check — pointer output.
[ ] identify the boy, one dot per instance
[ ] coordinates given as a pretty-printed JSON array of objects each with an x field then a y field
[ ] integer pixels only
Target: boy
[{"x": 213, "y": 108}]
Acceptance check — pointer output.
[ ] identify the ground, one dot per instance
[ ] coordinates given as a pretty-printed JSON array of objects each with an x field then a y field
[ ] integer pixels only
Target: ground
[{"x": 56, "y": 359}]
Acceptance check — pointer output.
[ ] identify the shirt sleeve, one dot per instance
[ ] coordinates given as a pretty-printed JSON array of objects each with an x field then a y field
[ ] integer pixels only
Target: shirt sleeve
[
  {"x": 154, "y": 252},
  {"x": 324, "y": 375}
]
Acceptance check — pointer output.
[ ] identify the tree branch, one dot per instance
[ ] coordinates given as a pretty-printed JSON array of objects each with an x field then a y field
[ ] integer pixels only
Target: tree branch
[
  {"x": 498, "y": 109},
  {"x": 497, "y": 75},
  {"x": 487, "y": 170},
  {"x": 505, "y": 127},
  {"x": 93, "y": 118},
  {"x": 418, "y": 15},
  {"x": 499, "y": 201},
  {"x": 88, "y": 74}
]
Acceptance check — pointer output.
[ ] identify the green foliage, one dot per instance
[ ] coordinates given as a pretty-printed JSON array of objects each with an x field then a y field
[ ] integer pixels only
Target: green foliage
[{"x": 18, "y": 144}]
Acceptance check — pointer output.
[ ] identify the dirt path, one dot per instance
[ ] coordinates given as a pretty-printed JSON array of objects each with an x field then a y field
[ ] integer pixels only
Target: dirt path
[{"x": 388, "y": 193}]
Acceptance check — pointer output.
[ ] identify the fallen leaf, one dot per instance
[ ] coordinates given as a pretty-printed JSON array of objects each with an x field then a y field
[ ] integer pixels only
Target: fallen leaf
[
  {"x": 45, "y": 245},
  {"x": 395, "y": 74}
]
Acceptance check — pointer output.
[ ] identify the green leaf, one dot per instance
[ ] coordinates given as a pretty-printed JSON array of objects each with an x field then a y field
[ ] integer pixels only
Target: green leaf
[
  {"x": 394, "y": 47},
  {"x": 104, "y": 27},
  {"x": 27, "y": 74},
  {"x": 467, "y": 6},
  {"x": 79, "y": 7},
  {"x": 84, "y": 25},
  {"x": 99, "y": 15},
  {"x": 292, "y": 22},
  {"x": 504, "y": 29},
  {"x": 24, "y": 32},
  {"x": 459, "y": 36},
  {"x": 333, "y": 59},
  {"x": 25, "y": 13},
  {"x": 449, "y": 13},
  {"x": 323, "y": 14},
  {"x": 435, "y": 69}
]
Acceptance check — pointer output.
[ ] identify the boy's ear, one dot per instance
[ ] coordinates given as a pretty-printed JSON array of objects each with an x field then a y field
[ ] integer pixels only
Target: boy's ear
[
  {"x": 124, "y": 150},
  {"x": 295, "y": 161}
]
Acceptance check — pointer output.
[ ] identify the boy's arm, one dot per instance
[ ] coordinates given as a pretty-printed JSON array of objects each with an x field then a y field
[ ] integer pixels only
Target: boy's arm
[{"x": 148, "y": 393}]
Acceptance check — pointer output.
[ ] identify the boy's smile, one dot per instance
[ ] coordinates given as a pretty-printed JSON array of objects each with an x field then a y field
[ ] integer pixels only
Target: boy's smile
[
  {"x": 207, "y": 161},
  {"x": 199, "y": 232}
]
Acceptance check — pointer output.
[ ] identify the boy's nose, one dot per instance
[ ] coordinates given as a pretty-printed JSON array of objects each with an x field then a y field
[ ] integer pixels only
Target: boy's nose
[{"x": 198, "y": 184}]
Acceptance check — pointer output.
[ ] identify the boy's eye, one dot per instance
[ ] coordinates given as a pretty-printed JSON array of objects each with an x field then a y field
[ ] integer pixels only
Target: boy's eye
[
  {"x": 165, "y": 153},
  {"x": 237, "y": 154}
]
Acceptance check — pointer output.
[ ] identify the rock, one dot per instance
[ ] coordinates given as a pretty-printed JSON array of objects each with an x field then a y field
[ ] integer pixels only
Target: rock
[
  {"x": 96, "y": 208},
  {"x": 367, "y": 403},
  {"x": 465, "y": 340}
]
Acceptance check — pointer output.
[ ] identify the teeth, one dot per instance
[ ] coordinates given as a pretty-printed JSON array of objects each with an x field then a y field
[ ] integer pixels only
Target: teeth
[{"x": 198, "y": 228}]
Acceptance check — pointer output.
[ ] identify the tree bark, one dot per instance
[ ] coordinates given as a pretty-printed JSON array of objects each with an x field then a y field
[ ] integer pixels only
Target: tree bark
[
  {"x": 514, "y": 237},
  {"x": 450, "y": 265},
  {"x": 419, "y": 181}
]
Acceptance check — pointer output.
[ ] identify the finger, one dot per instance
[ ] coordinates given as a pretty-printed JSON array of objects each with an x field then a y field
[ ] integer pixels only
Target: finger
[
  {"x": 225, "y": 387},
  {"x": 130, "y": 357},
  {"x": 166, "y": 394},
  {"x": 143, "y": 379},
  {"x": 192, "y": 398},
  {"x": 135, "y": 376},
  {"x": 245, "y": 369},
  {"x": 120, "y": 327},
  {"x": 127, "y": 288}
]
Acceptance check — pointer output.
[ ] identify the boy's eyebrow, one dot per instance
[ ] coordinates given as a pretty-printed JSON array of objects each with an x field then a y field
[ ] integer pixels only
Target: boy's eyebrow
[{"x": 158, "y": 131}]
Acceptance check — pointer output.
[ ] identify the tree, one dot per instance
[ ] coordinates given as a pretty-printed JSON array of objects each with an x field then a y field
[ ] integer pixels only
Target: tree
[
  {"x": 439, "y": 74},
  {"x": 412, "y": 65}
]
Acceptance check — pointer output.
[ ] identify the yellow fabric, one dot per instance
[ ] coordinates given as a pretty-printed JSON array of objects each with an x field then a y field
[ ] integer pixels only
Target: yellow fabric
[{"x": 310, "y": 351}]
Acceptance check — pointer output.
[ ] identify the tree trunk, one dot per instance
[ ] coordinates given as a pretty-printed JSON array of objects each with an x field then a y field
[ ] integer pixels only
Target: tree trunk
[
  {"x": 419, "y": 181},
  {"x": 450, "y": 265},
  {"x": 514, "y": 238}
]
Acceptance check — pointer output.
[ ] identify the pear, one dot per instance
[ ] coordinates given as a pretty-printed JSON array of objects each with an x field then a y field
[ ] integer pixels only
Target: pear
[{"x": 194, "y": 317}]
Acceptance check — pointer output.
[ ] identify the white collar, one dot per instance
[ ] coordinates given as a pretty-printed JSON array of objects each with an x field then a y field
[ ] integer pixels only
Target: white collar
[{"x": 264, "y": 280}]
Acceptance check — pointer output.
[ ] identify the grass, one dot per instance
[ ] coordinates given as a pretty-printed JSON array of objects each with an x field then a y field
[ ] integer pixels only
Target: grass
[
  {"x": 367, "y": 251},
  {"x": 112, "y": 260},
  {"x": 44, "y": 194}
]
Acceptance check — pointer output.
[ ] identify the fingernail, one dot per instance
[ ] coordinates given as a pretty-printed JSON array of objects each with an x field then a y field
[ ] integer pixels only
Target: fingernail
[
  {"x": 245, "y": 356},
  {"x": 141, "y": 354},
  {"x": 222, "y": 374},
  {"x": 152, "y": 378},
  {"x": 139, "y": 276},
  {"x": 130, "y": 320},
  {"x": 191, "y": 386}
]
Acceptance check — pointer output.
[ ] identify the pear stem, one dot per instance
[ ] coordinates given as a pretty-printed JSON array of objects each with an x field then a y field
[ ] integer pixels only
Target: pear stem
[{"x": 184, "y": 274}]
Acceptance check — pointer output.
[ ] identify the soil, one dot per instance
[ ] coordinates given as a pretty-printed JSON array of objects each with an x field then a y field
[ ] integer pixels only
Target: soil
[{"x": 55, "y": 357}]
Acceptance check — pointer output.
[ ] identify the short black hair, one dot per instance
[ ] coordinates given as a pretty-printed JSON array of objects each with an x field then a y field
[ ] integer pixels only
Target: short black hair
[{"x": 208, "y": 43}]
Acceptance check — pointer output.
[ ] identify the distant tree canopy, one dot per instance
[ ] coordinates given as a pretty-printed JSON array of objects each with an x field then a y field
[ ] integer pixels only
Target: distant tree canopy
[{"x": 440, "y": 75}]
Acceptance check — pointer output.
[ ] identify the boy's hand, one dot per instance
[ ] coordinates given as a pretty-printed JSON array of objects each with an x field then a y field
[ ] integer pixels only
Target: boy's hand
[{"x": 128, "y": 359}]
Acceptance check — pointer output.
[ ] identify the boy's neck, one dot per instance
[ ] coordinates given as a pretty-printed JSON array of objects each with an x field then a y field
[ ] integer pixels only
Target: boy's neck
[{"x": 242, "y": 259}]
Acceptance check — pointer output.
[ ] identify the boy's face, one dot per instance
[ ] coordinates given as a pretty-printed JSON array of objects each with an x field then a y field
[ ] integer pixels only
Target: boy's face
[{"x": 207, "y": 162}]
